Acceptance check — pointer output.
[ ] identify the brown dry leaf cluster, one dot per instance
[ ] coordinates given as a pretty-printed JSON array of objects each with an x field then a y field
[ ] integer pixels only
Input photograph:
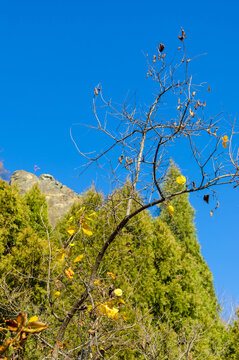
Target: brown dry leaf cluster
[{"x": 20, "y": 329}]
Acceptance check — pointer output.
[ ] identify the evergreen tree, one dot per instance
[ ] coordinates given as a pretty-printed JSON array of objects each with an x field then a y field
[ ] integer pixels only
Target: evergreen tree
[
  {"x": 232, "y": 349},
  {"x": 37, "y": 206},
  {"x": 184, "y": 288},
  {"x": 14, "y": 217},
  {"x": 22, "y": 253},
  {"x": 128, "y": 265}
]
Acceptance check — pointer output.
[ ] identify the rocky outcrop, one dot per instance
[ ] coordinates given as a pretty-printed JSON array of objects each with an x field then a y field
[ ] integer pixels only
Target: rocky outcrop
[{"x": 59, "y": 197}]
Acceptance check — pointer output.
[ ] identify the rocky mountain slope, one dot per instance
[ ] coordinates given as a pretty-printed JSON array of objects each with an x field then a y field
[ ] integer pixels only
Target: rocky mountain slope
[{"x": 59, "y": 197}]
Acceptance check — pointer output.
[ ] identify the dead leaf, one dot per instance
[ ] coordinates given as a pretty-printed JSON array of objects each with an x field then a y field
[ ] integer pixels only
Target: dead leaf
[
  {"x": 161, "y": 47},
  {"x": 33, "y": 318},
  {"x": 21, "y": 319},
  {"x": 96, "y": 92},
  {"x": 36, "y": 325},
  {"x": 121, "y": 159},
  {"x": 23, "y": 339},
  {"x": 4, "y": 348},
  {"x": 78, "y": 258},
  {"x": 12, "y": 324},
  {"x": 182, "y": 36},
  {"x": 191, "y": 112},
  {"x": 206, "y": 198},
  {"x": 60, "y": 344}
]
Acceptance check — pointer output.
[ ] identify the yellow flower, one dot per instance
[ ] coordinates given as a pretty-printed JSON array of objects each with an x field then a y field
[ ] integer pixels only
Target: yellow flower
[
  {"x": 118, "y": 292},
  {"x": 57, "y": 293},
  {"x": 171, "y": 209},
  {"x": 181, "y": 180}
]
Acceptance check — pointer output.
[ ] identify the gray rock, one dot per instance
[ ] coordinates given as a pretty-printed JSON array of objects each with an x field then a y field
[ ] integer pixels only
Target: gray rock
[
  {"x": 59, "y": 197},
  {"x": 24, "y": 180}
]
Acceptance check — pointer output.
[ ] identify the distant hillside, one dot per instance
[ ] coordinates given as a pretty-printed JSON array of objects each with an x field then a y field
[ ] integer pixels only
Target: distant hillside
[{"x": 59, "y": 197}]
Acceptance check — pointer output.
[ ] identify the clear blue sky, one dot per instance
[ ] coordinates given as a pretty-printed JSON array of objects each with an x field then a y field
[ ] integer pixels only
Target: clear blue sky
[{"x": 53, "y": 53}]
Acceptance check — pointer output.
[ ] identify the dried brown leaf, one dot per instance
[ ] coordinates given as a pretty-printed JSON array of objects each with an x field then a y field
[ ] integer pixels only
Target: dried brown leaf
[
  {"x": 37, "y": 325},
  {"x": 161, "y": 47},
  {"x": 12, "y": 324},
  {"x": 206, "y": 198},
  {"x": 21, "y": 319}
]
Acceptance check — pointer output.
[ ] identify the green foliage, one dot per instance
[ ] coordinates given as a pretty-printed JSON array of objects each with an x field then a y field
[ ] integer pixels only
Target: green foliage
[
  {"x": 37, "y": 206},
  {"x": 182, "y": 222},
  {"x": 168, "y": 294},
  {"x": 22, "y": 253},
  {"x": 184, "y": 287},
  {"x": 232, "y": 351},
  {"x": 13, "y": 217}
]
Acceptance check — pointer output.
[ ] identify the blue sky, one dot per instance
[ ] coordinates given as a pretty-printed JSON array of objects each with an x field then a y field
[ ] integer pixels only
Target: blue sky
[{"x": 53, "y": 54}]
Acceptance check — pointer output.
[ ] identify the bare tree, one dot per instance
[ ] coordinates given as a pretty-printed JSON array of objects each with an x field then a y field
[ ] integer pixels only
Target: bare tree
[{"x": 139, "y": 142}]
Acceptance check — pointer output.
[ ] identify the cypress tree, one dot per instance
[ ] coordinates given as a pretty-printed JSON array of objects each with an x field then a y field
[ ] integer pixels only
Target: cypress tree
[
  {"x": 128, "y": 264},
  {"x": 14, "y": 217},
  {"x": 37, "y": 205},
  {"x": 22, "y": 253},
  {"x": 184, "y": 288},
  {"x": 232, "y": 349}
]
